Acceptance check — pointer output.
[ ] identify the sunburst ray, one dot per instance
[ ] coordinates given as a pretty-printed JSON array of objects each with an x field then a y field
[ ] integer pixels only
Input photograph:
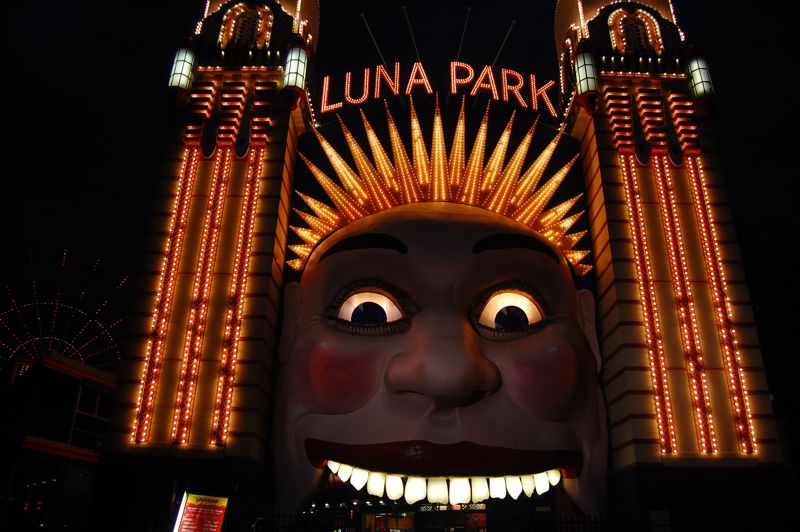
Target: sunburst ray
[{"x": 379, "y": 184}]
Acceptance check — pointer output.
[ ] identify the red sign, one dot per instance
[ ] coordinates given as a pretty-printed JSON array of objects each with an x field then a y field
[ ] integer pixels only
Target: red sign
[
  {"x": 503, "y": 84},
  {"x": 199, "y": 513}
]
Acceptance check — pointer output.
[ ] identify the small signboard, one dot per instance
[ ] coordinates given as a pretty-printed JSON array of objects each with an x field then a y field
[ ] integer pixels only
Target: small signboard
[{"x": 200, "y": 513}]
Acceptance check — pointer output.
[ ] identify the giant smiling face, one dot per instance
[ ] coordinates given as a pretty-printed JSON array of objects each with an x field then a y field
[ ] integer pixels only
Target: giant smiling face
[{"x": 439, "y": 351}]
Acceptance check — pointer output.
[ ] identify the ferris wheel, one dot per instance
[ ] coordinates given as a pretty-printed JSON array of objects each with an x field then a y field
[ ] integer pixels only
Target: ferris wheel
[{"x": 55, "y": 306}]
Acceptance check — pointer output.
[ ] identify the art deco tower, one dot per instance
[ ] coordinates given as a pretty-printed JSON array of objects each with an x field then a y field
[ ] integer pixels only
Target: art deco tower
[
  {"x": 683, "y": 372},
  {"x": 196, "y": 391}
]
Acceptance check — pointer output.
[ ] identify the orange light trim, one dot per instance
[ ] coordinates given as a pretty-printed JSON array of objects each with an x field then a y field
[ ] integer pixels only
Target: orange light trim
[
  {"x": 233, "y": 315},
  {"x": 393, "y": 83},
  {"x": 495, "y": 164},
  {"x": 365, "y": 89},
  {"x": 441, "y": 187},
  {"x": 513, "y": 89},
  {"x": 498, "y": 200},
  {"x": 380, "y": 197},
  {"x": 468, "y": 193},
  {"x": 201, "y": 293},
  {"x": 418, "y": 77},
  {"x": 419, "y": 152},
  {"x": 650, "y": 313},
  {"x": 409, "y": 187},
  {"x": 737, "y": 386},
  {"x": 687, "y": 315},
  {"x": 457, "y": 153},
  {"x": 382, "y": 162},
  {"x": 154, "y": 353},
  {"x": 485, "y": 82}
]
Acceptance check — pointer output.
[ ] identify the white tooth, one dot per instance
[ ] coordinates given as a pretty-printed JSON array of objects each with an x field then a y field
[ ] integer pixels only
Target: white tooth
[
  {"x": 344, "y": 472},
  {"x": 394, "y": 487},
  {"x": 437, "y": 490},
  {"x": 542, "y": 484},
  {"x": 415, "y": 489},
  {"x": 497, "y": 488},
  {"x": 514, "y": 487},
  {"x": 333, "y": 466},
  {"x": 480, "y": 489},
  {"x": 359, "y": 477},
  {"x": 554, "y": 475},
  {"x": 527, "y": 485},
  {"x": 375, "y": 483},
  {"x": 459, "y": 491}
]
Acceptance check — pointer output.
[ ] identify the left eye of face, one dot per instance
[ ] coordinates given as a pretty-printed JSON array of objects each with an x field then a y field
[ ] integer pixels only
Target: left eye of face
[
  {"x": 369, "y": 308},
  {"x": 509, "y": 311}
]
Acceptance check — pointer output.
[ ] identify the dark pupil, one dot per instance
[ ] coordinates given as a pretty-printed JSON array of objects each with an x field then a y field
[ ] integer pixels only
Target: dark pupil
[
  {"x": 510, "y": 318},
  {"x": 368, "y": 314}
]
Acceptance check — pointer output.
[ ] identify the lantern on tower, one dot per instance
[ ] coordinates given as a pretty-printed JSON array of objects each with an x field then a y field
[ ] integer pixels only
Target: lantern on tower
[
  {"x": 586, "y": 79},
  {"x": 182, "y": 66},
  {"x": 295, "y": 70},
  {"x": 700, "y": 77}
]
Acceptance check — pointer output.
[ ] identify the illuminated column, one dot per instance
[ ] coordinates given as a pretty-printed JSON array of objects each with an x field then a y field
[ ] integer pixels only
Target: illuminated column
[
  {"x": 198, "y": 371},
  {"x": 682, "y": 369}
]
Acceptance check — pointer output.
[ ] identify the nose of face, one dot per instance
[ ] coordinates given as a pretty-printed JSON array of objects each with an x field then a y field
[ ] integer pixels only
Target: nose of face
[{"x": 443, "y": 362}]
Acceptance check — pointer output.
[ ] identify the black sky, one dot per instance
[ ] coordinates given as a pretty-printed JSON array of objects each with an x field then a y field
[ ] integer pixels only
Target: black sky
[{"x": 85, "y": 114}]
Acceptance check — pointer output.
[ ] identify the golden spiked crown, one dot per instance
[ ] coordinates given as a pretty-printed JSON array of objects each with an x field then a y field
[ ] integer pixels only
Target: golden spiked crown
[{"x": 383, "y": 183}]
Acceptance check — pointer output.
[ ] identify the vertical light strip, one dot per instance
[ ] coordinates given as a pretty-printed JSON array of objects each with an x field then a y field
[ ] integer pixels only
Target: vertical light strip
[
  {"x": 647, "y": 294},
  {"x": 737, "y": 388},
  {"x": 687, "y": 315},
  {"x": 233, "y": 314},
  {"x": 201, "y": 292},
  {"x": 166, "y": 290}
]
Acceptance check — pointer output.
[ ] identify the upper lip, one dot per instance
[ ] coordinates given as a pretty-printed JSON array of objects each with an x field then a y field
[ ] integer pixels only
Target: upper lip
[{"x": 463, "y": 459}]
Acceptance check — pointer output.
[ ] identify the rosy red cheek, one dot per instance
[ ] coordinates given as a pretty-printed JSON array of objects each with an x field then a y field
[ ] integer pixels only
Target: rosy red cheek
[
  {"x": 341, "y": 380},
  {"x": 545, "y": 379}
]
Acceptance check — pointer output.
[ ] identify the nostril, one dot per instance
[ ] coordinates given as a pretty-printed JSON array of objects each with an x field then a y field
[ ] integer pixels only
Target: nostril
[{"x": 473, "y": 398}]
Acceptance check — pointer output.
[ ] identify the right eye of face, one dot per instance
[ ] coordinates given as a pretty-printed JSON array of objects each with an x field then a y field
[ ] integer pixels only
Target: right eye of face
[{"x": 369, "y": 309}]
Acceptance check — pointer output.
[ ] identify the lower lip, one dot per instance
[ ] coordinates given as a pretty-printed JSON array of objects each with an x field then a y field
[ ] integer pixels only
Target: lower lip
[{"x": 422, "y": 458}]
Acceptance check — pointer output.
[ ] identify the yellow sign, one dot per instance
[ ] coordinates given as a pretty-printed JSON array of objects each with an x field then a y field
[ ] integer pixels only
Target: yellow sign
[{"x": 200, "y": 513}]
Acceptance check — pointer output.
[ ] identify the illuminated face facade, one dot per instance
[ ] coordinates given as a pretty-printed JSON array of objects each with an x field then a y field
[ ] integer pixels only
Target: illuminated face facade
[{"x": 439, "y": 351}]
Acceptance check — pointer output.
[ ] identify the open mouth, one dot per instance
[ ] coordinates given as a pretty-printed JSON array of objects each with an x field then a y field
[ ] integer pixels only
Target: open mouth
[{"x": 455, "y": 473}]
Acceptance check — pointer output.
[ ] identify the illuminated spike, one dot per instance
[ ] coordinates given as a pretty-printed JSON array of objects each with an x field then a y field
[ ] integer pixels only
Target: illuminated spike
[
  {"x": 495, "y": 164},
  {"x": 441, "y": 187},
  {"x": 317, "y": 224},
  {"x": 498, "y": 199},
  {"x": 302, "y": 251},
  {"x": 382, "y": 162},
  {"x": 555, "y": 214},
  {"x": 309, "y": 236},
  {"x": 531, "y": 178},
  {"x": 326, "y": 214},
  {"x": 346, "y": 174},
  {"x": 408, "y": 184},
  {"x": 380, "y": 197},
  {"x": 529, "y": 212},
  {"x": 344, "y": 202},
  {"x": 418, "y": 150},
  {"x": 568, "y": 241},
  {"x": 555, "y": 232},
  {"x": 576, "y": 256},
  {"x": 296, "y": 264},
  {"x": 468, "y": 193},
  {"x": 503, "y": 183},
  {"x": 457, "y": 157},
  {"x": 581, "y": 269}
]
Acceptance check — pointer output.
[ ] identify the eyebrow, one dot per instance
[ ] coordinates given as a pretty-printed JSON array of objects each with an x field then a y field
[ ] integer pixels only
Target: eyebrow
[
  {"x": 366, "y": 241},
  {"x": 513, "y": 241}
]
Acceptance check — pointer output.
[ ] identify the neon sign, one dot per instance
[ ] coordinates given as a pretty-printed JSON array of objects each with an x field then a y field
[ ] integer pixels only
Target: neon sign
[{"x": 506, "y": 85}]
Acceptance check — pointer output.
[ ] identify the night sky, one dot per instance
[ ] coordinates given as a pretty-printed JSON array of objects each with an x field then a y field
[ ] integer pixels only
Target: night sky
[{"x": 85, "y": 116}]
